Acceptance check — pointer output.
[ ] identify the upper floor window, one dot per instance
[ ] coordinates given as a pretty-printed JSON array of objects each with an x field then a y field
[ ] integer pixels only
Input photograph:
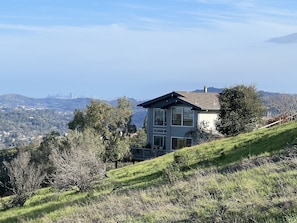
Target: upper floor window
[
  {"x": 188, "y": 116},
  {"x": 182, "y": 116},
  {"x": 159, "y": 116}
]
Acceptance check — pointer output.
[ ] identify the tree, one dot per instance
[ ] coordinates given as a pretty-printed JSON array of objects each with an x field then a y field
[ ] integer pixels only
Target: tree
[
  {"x": 24, "y": 178},
  {"x": 139, "y": 139},
  {"x": 241, "y": 110},
  {"x": 87, "y": 138},
  {"x": 123, "y": 115},
  {"x": 280, "y": 104},
  {"x": 110, "y": 123},
  {"x": 40, "y": 155},
  {"x": 117, "y": 144},
  {"x": 78, "y": 121}
]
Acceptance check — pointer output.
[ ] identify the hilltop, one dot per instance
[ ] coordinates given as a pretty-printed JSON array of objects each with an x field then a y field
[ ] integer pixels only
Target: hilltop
[{"x": 247, "y": 178}]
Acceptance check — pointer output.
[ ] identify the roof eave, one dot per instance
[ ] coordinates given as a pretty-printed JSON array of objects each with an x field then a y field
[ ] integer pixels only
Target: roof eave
[{"x": 155, "y": 100}]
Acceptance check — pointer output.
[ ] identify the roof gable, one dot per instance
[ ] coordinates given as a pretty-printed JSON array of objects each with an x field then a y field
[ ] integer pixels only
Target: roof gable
[{"x": 197, "y": 100}]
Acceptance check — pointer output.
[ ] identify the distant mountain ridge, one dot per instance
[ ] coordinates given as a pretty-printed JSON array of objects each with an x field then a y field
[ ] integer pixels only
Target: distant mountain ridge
[
  {"x": 25, "y": 120},
  {"x": 15, "y": 100},
  {"x": 63, "y": 104},
  {"x": 288, "y": 39},
  {"x": 210, "y": 89},
  {"x": 262, "y": 93}
]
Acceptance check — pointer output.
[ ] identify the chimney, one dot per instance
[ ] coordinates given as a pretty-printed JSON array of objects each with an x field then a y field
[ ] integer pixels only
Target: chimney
[{"x": 205, "y": 89}]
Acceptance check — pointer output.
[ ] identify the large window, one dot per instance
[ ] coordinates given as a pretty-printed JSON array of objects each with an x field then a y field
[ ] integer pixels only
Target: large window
[
  {"x": 178, "y": 143},
  {"x": 159, "y": 116},
  {"x": 182, "y": 116},
  {"x": 177, "y": 113},
  {"x": 188, "y": 117},
  {"x": 159, "y": 142}
]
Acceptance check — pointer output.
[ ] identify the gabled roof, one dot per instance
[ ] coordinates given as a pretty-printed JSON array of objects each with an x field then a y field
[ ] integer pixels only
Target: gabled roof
[{"x": 197, "y": 100}]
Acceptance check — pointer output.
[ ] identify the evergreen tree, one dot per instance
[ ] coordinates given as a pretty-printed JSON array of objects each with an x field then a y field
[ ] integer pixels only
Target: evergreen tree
[{"x": 241, "y": 110}]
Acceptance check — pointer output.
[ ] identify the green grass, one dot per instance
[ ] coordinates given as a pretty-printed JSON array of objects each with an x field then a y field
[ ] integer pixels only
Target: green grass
[
  {"x": 206, "y": 191},
  {"x": 262, "y": 142}
]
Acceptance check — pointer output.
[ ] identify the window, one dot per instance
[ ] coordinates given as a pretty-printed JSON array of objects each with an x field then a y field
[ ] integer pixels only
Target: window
[
  {"x": 159, "y": 142},
  {"x": 177, "y": 115},
  {"x": 159, "y": 116},
  {"x": 178, "y": 143},
  {"x": 188, "y": 117},
  {"x": 182, "y": 116}
]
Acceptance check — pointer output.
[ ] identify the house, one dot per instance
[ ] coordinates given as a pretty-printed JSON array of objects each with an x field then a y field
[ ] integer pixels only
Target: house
[{"x": 172, "y": 116}]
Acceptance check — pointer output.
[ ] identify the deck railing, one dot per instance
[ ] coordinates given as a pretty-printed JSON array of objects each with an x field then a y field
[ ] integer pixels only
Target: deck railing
[{"x": 140, "y": 154}]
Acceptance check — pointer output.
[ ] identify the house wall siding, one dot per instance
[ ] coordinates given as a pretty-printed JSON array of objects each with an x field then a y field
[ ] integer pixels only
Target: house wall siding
[
  {"x": 150, "y": 125},
  {"x": 171, "y": 131},
  {"x": 181, "y": 131},
  {"x": 210, "y": 118}
]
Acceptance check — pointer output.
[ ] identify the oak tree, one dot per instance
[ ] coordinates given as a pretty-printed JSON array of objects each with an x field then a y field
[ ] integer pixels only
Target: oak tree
[
  {"x": 110, "y": 123},
  {"x": 241, "y": 110}
]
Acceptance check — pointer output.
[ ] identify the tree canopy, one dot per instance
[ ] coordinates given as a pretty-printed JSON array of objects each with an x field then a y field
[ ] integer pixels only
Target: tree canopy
[
  {"x": 241, "y": 110},
  {"x": 111, "y": 123}
]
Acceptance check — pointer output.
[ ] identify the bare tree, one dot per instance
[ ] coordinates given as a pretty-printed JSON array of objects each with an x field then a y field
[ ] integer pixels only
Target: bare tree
[
  {"x": 280, "y": 104},
  {"x": 78, "y": 166},
  {"x": 24, "y": 178}
]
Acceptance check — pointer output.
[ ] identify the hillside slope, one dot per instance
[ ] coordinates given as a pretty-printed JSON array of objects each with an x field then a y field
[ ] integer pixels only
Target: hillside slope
[{"x": 247, "y": 178}]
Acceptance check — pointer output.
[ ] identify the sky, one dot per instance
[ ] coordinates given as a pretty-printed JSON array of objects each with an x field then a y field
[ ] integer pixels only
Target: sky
[{"x": 144, "y": 49}]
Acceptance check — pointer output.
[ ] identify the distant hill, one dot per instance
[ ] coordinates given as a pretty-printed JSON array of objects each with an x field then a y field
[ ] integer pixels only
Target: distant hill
[
  {"x": 262, "y": 93},
  {"x": 15, "y": 100},
  {"x": 25, "y": 120},
  {"x": 210, "y": 89},
  {"x": 288, "y": 39},
  {"x": 64, "y": 105}
]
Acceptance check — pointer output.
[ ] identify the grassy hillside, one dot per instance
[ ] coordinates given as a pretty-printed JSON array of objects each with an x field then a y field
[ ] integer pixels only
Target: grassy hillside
[{"x": 247, "y": 178}]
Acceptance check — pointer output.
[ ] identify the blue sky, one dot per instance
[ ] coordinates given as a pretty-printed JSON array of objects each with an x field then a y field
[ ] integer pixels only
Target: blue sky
[{"x": 143, "y": 49}]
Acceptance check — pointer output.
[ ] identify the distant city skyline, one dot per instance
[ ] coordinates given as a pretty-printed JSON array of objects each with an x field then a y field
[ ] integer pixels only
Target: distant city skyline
[{"x": 110, "y": 49}]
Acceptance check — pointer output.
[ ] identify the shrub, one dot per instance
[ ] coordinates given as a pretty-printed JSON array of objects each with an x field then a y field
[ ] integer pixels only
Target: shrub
[
  {"x": 173, "y": 171},
  {"x": 24, "y": 179},
  {"x": 78, "y": 166},
  {"x": 181, "y": 160}
]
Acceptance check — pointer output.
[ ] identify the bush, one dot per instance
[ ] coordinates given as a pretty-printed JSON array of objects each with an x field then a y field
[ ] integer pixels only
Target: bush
[
  {"x": 24, "y": 179},
  {"x": 173, "y": 171},
  {"x": 78, "y": 166},
  {"x": 181, "y": 160}
]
